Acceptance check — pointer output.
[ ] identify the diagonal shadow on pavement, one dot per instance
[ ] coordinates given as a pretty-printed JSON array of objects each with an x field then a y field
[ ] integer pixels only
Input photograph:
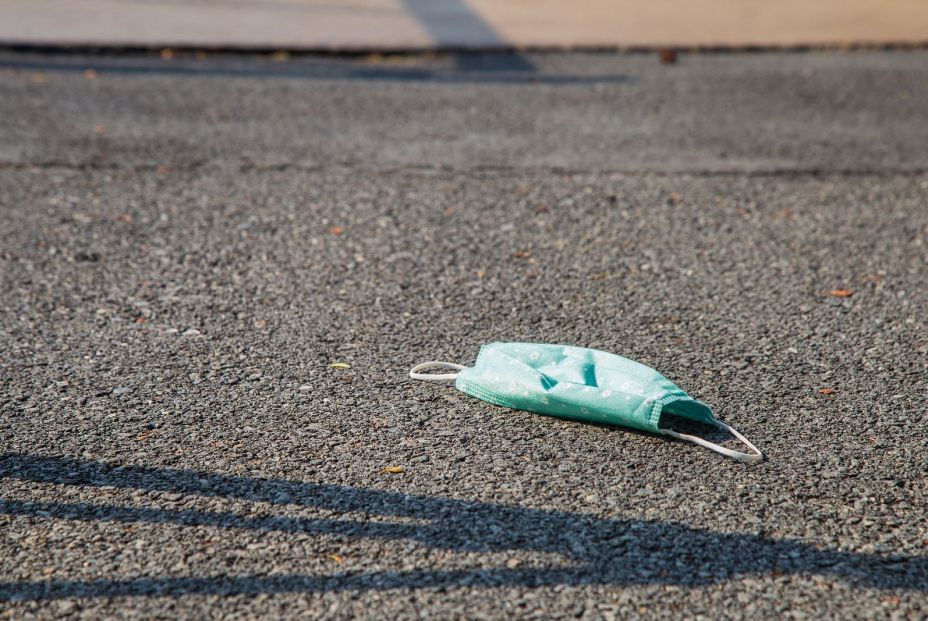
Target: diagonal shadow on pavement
[
  {"x": 598, "y": 551},
  {"x": 454, "y": 23}
]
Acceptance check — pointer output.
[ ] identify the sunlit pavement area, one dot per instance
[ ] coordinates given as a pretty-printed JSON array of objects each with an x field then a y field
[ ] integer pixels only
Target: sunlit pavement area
[
  {"x": 391, "y": 25},
  {"x": 188, "y": 246}
]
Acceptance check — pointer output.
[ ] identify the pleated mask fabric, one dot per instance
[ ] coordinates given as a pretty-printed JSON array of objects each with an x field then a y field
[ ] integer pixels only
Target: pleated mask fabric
[{"x": 581, "y": 384}]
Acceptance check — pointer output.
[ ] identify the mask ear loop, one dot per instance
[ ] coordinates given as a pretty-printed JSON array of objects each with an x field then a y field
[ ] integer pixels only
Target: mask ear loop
[
  {"x": 749, "y": 458},
  {"x": 415, "y": 374}
]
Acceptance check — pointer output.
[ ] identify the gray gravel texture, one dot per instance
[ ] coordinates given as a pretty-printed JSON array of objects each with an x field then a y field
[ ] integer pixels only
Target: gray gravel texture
[
  {"x": 188, "y": 247},
  {"x": 857, "y": 112}
]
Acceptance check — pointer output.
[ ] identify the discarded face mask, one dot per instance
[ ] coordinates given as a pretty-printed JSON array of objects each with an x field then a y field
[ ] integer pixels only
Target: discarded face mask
[{"x": 582, "y": 384}]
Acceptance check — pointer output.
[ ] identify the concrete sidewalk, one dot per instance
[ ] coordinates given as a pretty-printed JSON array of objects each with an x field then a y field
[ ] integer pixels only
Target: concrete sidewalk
[{"x": 437, "y": 24}]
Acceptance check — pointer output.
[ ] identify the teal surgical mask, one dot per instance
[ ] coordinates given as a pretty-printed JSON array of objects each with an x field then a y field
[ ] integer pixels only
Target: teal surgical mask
[{"x": 582, "y": 384}]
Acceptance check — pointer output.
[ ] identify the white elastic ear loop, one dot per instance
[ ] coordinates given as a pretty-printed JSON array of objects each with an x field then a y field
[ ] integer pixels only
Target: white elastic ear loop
[
  {"x": 744, "y": 457},
  {"x": 414, "y": 373}
]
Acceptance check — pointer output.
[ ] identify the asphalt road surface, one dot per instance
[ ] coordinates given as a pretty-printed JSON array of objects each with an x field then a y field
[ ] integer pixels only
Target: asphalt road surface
[{"x": 188, "y": 246}]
